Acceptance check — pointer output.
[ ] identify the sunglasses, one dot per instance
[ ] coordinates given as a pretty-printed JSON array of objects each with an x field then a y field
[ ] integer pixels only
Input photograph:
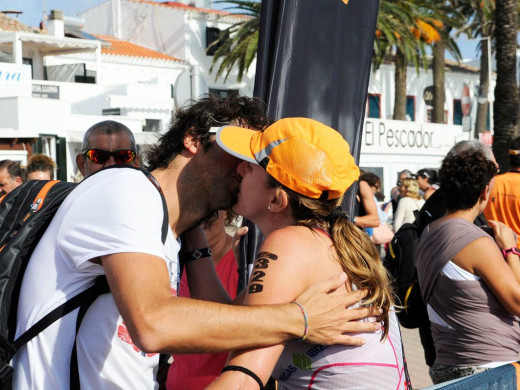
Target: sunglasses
[{"x": 100, "y": 156}]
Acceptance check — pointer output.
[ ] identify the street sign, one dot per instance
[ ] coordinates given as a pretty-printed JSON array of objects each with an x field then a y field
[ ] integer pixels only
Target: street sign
[{"x": 428, "y": 94}]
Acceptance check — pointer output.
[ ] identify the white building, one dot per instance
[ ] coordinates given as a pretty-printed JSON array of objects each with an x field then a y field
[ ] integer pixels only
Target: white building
[
  {"x": 182, "y": 29},
  {"x": 390, "y": 146}
]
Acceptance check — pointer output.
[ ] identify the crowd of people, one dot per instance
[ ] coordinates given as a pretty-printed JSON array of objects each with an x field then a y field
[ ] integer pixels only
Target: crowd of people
[{"x": 319, "y": 307}]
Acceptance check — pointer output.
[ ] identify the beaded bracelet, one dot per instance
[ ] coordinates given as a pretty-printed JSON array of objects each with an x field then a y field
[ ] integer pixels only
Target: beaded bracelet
[{"x": 305, "y": 319}]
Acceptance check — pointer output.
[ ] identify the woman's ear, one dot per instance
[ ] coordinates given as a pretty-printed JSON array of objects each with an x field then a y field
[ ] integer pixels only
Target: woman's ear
[{"x": 280, "y": 201}]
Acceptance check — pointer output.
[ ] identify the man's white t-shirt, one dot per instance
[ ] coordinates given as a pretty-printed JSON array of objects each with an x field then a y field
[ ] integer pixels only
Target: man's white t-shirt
[{"x": 115, "y": 211}]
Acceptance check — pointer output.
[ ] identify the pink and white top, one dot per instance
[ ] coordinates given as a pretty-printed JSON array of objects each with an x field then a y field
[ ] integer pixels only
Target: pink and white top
[{"x": 375, "y": 365}]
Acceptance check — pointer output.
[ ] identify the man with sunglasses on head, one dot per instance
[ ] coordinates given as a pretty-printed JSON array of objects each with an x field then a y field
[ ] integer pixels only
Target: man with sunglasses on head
[
  {"x": 112, "y": 226},
  {"x": 106, "y": 143}
]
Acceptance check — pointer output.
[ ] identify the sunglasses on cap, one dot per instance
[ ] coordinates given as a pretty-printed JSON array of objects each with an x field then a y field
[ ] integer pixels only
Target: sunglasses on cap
[{"x": 100, "y": 156}]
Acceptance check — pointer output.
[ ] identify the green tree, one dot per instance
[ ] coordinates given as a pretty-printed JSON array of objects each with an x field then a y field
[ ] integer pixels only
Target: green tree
[
  {"x": 395, "y": 33},
  {"x": 238, "y": 44},
  {"x": 505, "y": 107},
  {"x": 408, "y": 27}
]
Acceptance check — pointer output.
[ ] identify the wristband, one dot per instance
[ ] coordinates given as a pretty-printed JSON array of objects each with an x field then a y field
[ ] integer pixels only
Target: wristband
[
  {"x": 245, "y": 371},
  {"x": 305, "y": 319},
  {"x": 196, "y": 254},
  {"x": 514, "y": 250}
]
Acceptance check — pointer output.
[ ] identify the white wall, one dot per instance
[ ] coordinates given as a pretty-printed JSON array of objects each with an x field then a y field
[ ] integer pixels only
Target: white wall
[
  {"x": 382, "y": 82},
  {"x": 140, "y": 87}
]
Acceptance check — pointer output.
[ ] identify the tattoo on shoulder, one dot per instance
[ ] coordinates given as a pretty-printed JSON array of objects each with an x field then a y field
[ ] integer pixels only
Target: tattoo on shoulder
[{"x": 257, "y": 278}]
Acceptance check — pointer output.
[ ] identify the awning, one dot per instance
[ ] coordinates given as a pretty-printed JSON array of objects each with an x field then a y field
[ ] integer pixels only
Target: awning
[
  {"x": 10, "y": 133},
  {"x": 48, "y": 44}
]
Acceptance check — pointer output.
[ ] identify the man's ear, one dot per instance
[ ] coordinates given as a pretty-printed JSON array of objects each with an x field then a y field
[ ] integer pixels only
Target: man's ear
[
  {"x": 137, "y": 160},
  {"x": 18, "y": 180},
  {"x": 485, "y": 193},
  {"x": 80, "y": 163},
  {"x": 279, "y": 202},
  {"x": 191, "y": 143}
]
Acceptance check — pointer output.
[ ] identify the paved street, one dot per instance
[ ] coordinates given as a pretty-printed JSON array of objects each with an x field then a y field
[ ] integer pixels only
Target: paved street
[{"x": 415, "y": 358}]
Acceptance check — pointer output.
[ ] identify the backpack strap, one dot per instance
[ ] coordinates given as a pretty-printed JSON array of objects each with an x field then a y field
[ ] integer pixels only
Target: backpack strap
[
  {"x": 85, "y": 297},
  {"x": 100, "y": 287},
  {"x": 40, "y": 197},
  {"x": 165, "y": 225}
]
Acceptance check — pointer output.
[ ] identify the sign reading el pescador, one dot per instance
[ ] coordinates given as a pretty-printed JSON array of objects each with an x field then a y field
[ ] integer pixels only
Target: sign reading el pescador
[
  {"x": 407, "y": 138},
  {"x": 395, "y": 134}
]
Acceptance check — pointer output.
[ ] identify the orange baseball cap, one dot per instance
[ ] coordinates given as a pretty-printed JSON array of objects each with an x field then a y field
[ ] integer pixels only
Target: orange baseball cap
[{"x": 304, "y": 155}]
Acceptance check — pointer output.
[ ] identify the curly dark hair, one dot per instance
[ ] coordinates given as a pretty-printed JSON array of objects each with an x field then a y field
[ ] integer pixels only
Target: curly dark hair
[
  {"x": 514, "y": 159},
  {"x": 464, "y": 176},
  {"x": 198, "y": 117}
]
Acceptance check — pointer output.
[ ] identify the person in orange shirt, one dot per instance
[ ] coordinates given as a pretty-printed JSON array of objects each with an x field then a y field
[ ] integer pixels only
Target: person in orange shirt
[{"x": 504, "y": 203}]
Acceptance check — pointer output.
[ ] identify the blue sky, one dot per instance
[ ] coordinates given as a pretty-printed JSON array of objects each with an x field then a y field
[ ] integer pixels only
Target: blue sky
[{"x": 33, "y": 14}]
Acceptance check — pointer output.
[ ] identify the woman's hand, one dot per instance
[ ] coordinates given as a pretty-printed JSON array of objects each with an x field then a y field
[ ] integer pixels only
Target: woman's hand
[
  {"x": 235, "y": 244},
  {"x": 504, "y": 236}
]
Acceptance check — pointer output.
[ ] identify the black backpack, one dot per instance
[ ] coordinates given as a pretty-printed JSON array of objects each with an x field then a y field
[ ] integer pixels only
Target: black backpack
[
  {"x": 400, "y": 263},
  {"x": 25, "y": 214}
]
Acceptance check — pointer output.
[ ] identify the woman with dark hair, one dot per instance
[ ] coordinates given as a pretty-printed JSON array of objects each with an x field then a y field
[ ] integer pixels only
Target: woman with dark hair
[
  {"x": 469, "y": 281},
  {"x": 428, "y": 182},
  {"x": 294, "y": 176}
]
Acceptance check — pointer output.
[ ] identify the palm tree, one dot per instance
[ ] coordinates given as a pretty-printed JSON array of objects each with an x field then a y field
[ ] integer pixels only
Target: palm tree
[
  {"x": 506, "y": 89},
  {"x": 480, "y": 24},
  {"x": 239, "y": 42},
  {"x": 445, "y": 18},
  {"x": 393, "y": 32},
  {"x": 409, "y": 27}
]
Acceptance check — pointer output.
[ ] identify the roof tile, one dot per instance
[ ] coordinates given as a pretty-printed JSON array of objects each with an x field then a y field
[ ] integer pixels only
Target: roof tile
[
  {"x": 124, "y": 48},
  {"x": 10, "y": 24}
]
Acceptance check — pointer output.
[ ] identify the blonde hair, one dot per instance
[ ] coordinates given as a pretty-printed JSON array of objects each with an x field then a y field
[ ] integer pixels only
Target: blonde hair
[
  {"x": 357, "y": 254},
  {"x": 412, "y": 187}
]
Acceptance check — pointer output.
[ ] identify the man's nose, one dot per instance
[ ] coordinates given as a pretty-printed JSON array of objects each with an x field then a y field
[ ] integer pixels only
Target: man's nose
[{"x": 110, "y": 161}]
